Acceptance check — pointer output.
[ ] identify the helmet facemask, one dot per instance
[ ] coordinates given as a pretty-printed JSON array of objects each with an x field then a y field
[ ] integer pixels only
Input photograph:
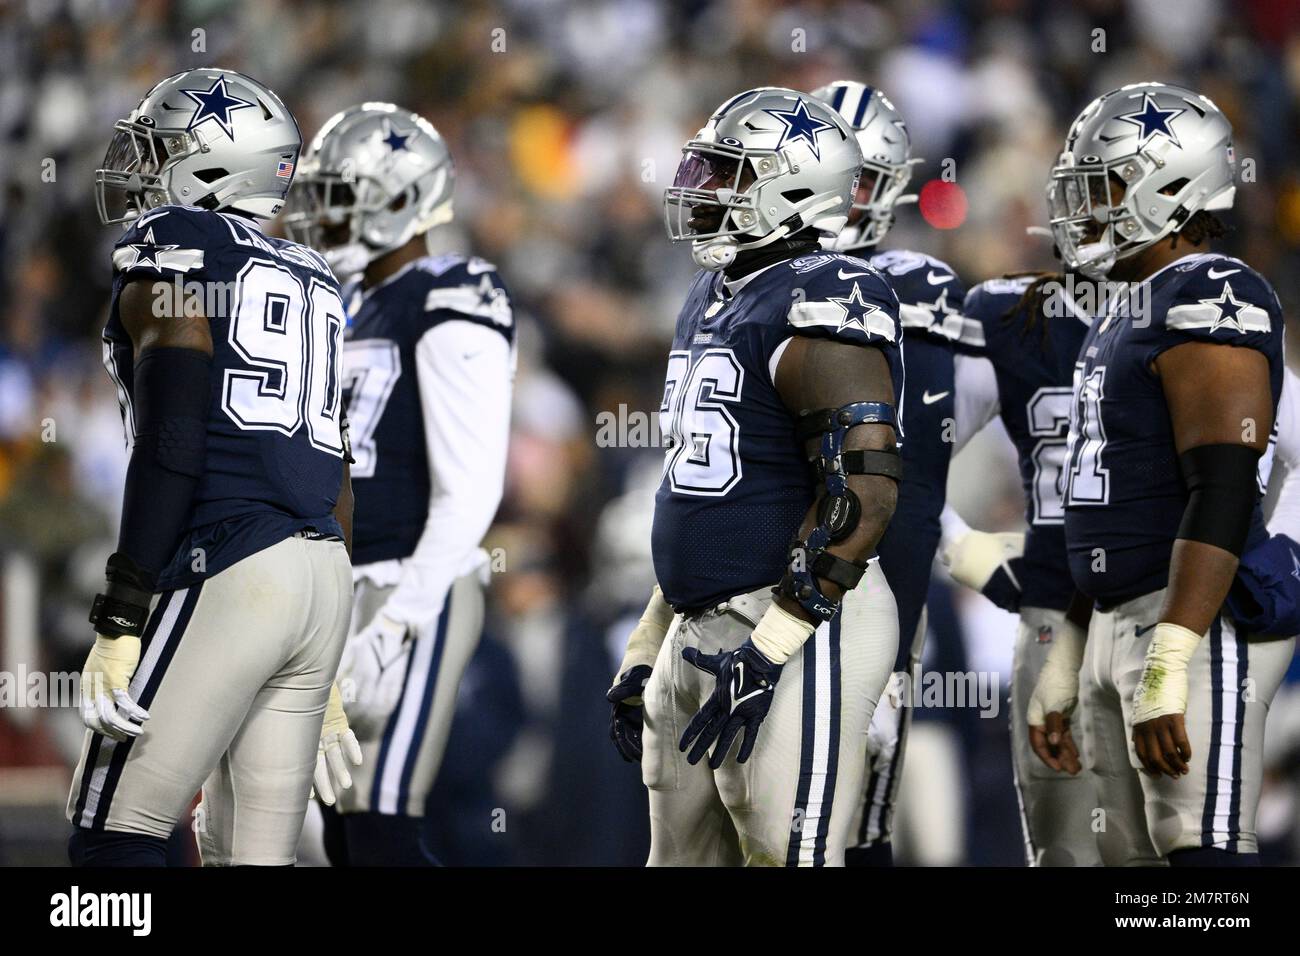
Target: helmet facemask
[
  {"x": 133, "y": 178},
  {"x": 1092, "y": 220},
  {"x": 713, "y": 200},
  {"x": 880, "y": 189},
  {"x": 351, "y": 217}
]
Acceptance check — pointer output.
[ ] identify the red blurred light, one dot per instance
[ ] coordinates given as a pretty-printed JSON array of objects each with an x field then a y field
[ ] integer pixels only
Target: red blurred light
[{"x": 943, "y": 204}]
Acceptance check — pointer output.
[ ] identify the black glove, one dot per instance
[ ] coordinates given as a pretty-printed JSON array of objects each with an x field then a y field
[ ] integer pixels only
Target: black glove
[
  {"x": 627, "y": 719},
  {"x": 746, "y": 680}
]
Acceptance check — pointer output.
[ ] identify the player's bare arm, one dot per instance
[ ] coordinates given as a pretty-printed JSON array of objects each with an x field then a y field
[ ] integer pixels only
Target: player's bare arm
[
  {"x": 343, "y": 509},
  {"x": 818, "y": 374},
  {"x": 1222, "y": 412}
]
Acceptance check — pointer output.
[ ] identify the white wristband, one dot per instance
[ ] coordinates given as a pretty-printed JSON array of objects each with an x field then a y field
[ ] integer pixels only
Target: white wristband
[
  {"x": 648, "y": 636},
  {"x": 1057, "y": 689},
  {"x": 779, "y": 634},
  {"x": 1162, "y": 688}
]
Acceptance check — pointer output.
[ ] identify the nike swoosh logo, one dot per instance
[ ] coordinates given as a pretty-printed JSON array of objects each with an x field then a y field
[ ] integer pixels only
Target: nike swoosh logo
[
  {"x": 852, "y": 275},
  {"x": 470, "y": 355},
  {"x": 935, "y": 278},
  {"x": 929, "y": 399},
  {"x": 1212, "y": 274},
  {"x": 1139, "y": 631}
]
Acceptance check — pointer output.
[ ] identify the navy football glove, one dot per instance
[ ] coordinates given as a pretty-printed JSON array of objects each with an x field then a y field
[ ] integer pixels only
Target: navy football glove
[
  {"x": 746, "y": 680},
  {"x": 627, "y": 719},
  {"x": 1003, "y": 585}
]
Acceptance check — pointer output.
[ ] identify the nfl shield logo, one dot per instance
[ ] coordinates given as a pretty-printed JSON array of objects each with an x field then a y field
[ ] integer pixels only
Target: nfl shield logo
[
  {"x": 284, "y": 171},
  {"x": 1044, "y": 634}
]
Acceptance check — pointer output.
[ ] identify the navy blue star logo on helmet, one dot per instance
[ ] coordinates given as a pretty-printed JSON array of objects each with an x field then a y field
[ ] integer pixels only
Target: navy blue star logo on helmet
[
  {"x": 800, "y": 124},
  {"x": 1151, "y": 119},
  {"x": 217, "y": 104},
  {"x": 395, "y": 140}
]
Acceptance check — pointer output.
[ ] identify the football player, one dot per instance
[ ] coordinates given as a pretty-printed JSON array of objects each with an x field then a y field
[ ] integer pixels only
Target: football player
[
  {"x": 930, "y": 296},
  {"x": 1032, "y": 330},
  {"x": 225, "y": 347},
  {"x": 428, "y": 368},
  {"x": 1173, "y": 402},
  {"x": 771, "y": 614}
]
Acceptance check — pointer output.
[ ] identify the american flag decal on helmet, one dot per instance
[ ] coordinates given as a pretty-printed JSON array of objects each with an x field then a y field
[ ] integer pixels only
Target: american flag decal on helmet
[{"x": 284, "y": 171}]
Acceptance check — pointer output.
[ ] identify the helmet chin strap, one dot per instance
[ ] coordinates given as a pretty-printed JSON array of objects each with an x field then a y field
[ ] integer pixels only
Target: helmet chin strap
[
  {"x": 1096, "y": 259},
  {"x": 715, "y": 254},
  {"x": 350, "y": 258}
]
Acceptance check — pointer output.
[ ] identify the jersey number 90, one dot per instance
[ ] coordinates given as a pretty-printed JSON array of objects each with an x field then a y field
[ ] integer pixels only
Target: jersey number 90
[{"x": 289, "y": 334}]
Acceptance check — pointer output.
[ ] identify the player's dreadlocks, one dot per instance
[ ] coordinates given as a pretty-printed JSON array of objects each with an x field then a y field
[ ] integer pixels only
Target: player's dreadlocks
[
  {"x": 1202, "y": 226},
  {"x": 1033, "y": 301}
]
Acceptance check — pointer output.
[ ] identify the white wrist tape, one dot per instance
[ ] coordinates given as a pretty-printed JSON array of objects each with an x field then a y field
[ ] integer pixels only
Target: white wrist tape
[
  {"x": 1058, "y": 682},
  {"x": 648, "y": 636},
  {"x": 972, "y": 558},
  {"x": 779, "y": 634},
  {"x": 1162, "y": 688}
]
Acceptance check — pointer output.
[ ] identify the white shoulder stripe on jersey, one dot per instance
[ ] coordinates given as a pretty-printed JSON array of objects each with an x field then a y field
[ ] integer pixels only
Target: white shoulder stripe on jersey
[
  {"x": 876, "y": 322},
  {"x": 956, "y": 327},
  {"x": 1207, "y": 315},
  {"x": 156, "y": 257}
]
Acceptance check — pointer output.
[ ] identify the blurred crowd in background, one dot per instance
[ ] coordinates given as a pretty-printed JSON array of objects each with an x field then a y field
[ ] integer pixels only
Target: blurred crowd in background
[{"x": 565, "y": 120}]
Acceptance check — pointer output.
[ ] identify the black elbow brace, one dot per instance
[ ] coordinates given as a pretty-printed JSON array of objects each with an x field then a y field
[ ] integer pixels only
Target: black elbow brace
[
  {"x": 1222, "y": 492},
  {"x": 170, "y": 411}
]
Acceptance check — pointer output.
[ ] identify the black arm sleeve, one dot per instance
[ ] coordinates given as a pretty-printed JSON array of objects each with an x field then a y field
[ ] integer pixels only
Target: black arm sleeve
[
  {"x": 1222, "y": 492},
  {"x": 170, "y": 402}
]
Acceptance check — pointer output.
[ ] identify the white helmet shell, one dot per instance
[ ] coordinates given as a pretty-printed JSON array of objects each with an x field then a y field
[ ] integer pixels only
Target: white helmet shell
[
  {"x": 886, "y": 160},
  {"x": 383, "y": 171},
  {"x": 210, "y": 138},
  {"x": 1172, "y": 151},
  {"x": 771, "y": 162}
]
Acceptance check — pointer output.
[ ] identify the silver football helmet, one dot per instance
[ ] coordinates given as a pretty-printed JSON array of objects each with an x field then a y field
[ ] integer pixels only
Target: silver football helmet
[
  {"x": 374, "y": 177},
  {"x": 208, "y": 137},
  {"x": 886, "y": 161},
  {"x": 1138, "y": 163},
  {"x": 771, "y": 162}
]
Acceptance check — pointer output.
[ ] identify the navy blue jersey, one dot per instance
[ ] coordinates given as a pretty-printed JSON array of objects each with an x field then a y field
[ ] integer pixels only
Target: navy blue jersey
[
  {"x": 1126, "y": 496},
  {"x": 390, "y": 473},
  {"x": 274, "y": 458},
  {"x": 930, "y": 298},
  {"x": 1033, "y": 360},
  {"x": 736, "y": 482},
  {"x": 929, "y": 304}
]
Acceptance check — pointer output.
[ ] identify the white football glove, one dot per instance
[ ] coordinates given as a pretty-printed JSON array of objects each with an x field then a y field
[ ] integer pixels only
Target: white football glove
[
  {"x": 1162, "y": 689},
  {"x": 372, "y": 672},
  {"x": 106, "y": 704},
  {"x": 337, "y": 741},
  {"x": 886, "y": 721},
  {"x": 1057, "y": 689},
  {"x": 987, "y": 563}
]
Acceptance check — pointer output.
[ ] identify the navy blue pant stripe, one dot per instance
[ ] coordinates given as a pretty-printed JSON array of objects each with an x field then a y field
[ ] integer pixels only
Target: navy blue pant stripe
[
  {"x": 1234, "y": 804},
  {"x": 426, "y": 705},
  {"x": 97, "y": 740},
  {"x": 1216, "y": 729},
  {"x": 117, "y": 763},
  {"x": 806, "y": 745},
  {"x": 386, "y": 742}
]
